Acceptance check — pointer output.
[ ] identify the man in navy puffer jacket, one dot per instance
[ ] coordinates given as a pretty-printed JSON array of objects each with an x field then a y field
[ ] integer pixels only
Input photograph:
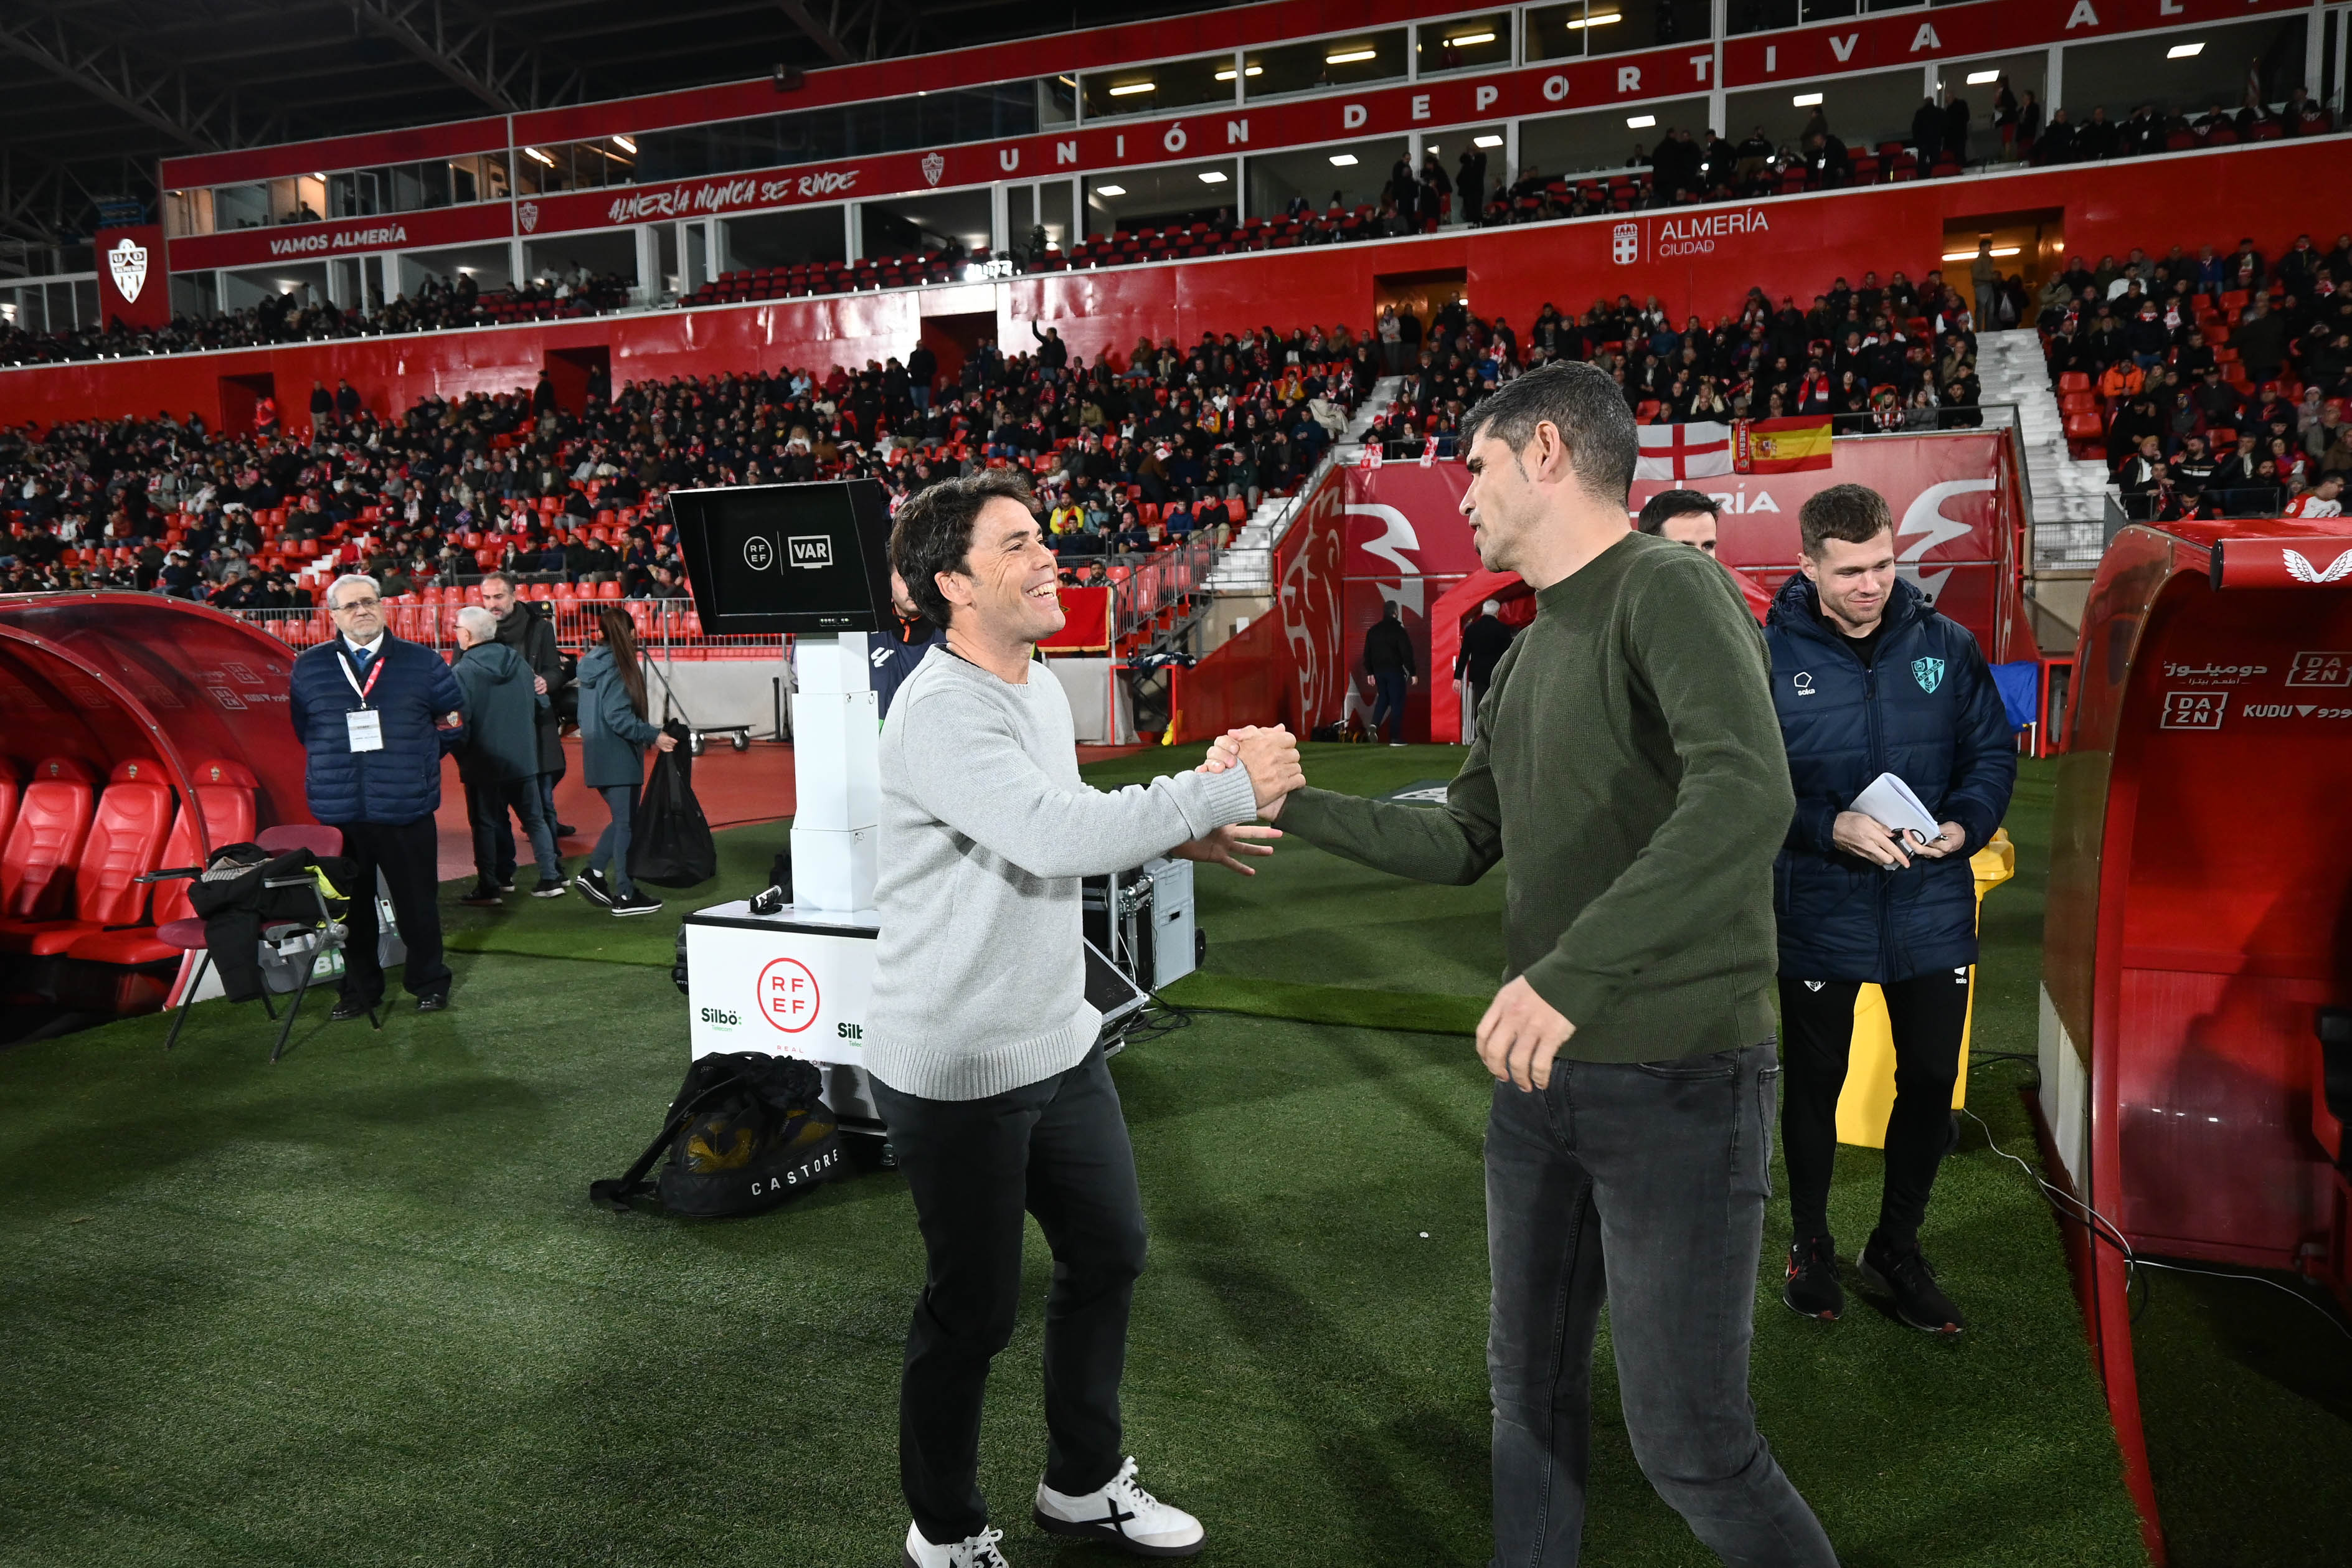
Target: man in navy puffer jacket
[
  {"x": 375, "y": 714},
  {"x": 1868, "y": 680}
]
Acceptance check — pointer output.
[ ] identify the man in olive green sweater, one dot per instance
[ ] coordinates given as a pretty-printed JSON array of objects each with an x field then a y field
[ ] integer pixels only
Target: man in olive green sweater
[{"x": 1627, "y": 766}]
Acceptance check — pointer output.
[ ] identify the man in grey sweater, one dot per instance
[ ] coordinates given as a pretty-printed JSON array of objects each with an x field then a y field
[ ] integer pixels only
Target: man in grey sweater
[{"x": 982, "y": 1047}]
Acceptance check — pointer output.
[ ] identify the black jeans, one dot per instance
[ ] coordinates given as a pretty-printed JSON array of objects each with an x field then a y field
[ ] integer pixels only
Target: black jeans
[
  {"x": 1641, "y": 1185},
  {"x": 408, "y": 855},
  {"x": 1057, "y": 1149},
  {"x": 1388, "y": 702},
  {"x": 1928, "y": 1014}
]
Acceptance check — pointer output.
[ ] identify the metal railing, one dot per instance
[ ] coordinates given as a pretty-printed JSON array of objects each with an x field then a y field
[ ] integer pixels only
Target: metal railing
[{"x": 665, "y": 627}]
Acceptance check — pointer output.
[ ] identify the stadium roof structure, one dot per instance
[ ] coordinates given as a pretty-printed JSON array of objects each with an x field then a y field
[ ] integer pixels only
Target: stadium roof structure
[{"x": 93, "y": 91}]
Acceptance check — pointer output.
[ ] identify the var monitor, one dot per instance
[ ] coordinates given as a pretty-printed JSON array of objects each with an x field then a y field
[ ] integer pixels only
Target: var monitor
[{"x": 765, "y": 559}]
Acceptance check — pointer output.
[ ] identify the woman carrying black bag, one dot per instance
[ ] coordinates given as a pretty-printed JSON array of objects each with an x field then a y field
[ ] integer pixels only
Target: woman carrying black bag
[{"x": 614, "y": 735}]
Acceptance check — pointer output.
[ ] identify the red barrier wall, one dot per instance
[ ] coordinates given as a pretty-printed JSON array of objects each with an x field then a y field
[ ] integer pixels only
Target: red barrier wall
[
  {"x": 1245, "y": 681},
  {"x": 1790, "y": 245}
]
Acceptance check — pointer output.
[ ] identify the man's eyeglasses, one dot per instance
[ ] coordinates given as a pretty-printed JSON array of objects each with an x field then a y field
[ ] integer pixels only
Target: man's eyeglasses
[{"x": 349, "y": 605}]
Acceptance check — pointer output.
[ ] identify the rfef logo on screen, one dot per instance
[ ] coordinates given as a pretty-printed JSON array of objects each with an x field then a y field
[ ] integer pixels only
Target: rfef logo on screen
[{"x": 810, "y": 550}]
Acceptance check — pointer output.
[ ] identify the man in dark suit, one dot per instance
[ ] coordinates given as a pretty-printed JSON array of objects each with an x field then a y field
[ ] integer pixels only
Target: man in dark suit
[
  {"x": 375, "y": 714},
  {"x": 1484, "y": 641}
]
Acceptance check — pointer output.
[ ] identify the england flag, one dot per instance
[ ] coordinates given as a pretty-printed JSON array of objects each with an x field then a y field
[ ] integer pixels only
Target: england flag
[{"x": 1683, "y": 451}]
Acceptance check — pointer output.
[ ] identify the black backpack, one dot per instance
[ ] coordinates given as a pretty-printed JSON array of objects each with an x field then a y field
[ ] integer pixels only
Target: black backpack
[{"x": 747, "y": 1133}]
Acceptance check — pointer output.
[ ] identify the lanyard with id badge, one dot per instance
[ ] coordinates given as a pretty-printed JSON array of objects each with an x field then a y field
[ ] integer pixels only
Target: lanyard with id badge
[{"x": 366, "y": 723}]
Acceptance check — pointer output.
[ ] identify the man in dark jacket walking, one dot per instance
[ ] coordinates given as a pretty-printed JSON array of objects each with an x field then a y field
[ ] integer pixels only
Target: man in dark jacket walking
[
  {"x": 1868, "y": 680},
  {"x": 532, "y": 635},
  {"x": 1389, "y": 662},
  {"x": 500, "y": 761},
  {"x": 375, "y": 714}
]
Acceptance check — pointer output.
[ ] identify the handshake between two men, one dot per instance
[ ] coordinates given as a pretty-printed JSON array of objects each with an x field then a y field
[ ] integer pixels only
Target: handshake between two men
[{"x": 1520, "y": 1032}]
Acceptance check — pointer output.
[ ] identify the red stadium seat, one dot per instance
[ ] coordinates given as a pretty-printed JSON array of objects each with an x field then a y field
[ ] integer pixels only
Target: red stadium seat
[
  {"x": 224, "y": 794},
  {"x": 52, "y": 818},
  {"x": 126, "y": 834}
]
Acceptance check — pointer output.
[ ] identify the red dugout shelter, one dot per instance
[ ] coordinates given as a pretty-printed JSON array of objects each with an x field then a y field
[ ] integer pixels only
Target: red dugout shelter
[
  {"x": 2199, "y": 929},
  {"x": 135, "y": 731}
]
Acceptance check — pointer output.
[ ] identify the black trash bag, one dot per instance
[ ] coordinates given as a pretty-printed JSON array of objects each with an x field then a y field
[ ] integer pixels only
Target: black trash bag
[
  {"x": 747, "y": 1132},
  {"x": 669, "y": 842}
]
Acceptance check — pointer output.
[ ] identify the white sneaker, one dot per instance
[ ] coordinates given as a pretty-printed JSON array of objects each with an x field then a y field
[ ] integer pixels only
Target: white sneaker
[
  {"x": 979, "y": 1552},
  {"x": 1121, "y": 1514}
]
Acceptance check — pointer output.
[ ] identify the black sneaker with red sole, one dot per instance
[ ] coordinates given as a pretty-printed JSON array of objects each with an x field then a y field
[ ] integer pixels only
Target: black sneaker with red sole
[
  {"x": 1908, "y": 1280},
  {"x": 1812, "y": 1289}
]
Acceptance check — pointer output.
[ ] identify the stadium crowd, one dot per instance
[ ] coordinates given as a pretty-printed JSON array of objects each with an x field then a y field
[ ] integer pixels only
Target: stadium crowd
[
  {"x": 2212, "y": 382},
  {"x": 1880, "y": 355},
  {"x": 1127, "y": 460},
  {"x": 441, "y": 304},
  {"x": 2235, "y": 366}
]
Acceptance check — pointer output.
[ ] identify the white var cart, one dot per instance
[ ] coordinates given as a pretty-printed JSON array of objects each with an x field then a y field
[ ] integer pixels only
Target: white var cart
[
  {"x": 795, "y": 982},
  {"x": 809, "y": 561}
]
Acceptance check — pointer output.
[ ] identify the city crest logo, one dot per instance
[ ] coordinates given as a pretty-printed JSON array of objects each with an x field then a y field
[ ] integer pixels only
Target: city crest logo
[{"x": 127, "y": 264}]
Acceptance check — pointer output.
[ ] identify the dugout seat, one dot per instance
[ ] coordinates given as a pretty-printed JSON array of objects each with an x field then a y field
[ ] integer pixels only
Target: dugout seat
[
  {"x": 224, "y": 794},
  {"x": 126, "y": 832},
  {"x": 52, "y": 818}
]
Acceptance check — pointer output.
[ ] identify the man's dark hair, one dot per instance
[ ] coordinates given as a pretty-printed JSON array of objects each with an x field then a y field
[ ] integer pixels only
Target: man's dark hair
[
  {"x": 1854, "y": 513},
  {"x": 932, "y": 532},
  {"x": 1669, "y": 504},
  {"x": 1587, "y": 406}
]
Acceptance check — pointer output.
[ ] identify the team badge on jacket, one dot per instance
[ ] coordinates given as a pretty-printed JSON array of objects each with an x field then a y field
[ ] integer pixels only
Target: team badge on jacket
[{"x": 1929, "y": 673}]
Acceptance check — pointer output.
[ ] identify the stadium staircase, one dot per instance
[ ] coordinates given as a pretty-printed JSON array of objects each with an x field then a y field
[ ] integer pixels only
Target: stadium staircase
[
  {"x": 1245, "y": 567},
  {"x": 2068, "y": 494}
]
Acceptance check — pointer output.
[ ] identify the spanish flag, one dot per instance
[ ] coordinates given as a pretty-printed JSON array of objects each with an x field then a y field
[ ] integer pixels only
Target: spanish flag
[{"x": 1781, "y": 446}]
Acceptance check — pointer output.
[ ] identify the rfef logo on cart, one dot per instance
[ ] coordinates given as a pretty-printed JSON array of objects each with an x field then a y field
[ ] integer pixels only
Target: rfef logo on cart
[
  {"x": 2194, "y": 709},
  {"x": 813, "y": 551},
  {"x": 788, "y": 995}
]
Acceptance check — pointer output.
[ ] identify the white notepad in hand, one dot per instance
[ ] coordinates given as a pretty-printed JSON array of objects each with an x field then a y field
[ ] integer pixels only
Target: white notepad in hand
[{"x": 1889, "y": 801}]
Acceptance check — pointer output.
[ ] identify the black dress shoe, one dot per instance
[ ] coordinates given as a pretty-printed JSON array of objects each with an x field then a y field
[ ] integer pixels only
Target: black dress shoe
[
  {"x": 348, "y": 1010},
  {"x": 437, "y": 1003},
  {"x": 565, "y": 830}
]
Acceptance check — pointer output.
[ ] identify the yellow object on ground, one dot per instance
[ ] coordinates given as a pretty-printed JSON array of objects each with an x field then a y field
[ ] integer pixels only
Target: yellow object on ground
[{"x": 1869, "y": 1094}]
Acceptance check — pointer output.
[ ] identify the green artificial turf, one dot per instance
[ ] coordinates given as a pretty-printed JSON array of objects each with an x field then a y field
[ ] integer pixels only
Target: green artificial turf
[
  {"x": 355, "y": 1307},
  {"x": 572, "y": 927}
]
